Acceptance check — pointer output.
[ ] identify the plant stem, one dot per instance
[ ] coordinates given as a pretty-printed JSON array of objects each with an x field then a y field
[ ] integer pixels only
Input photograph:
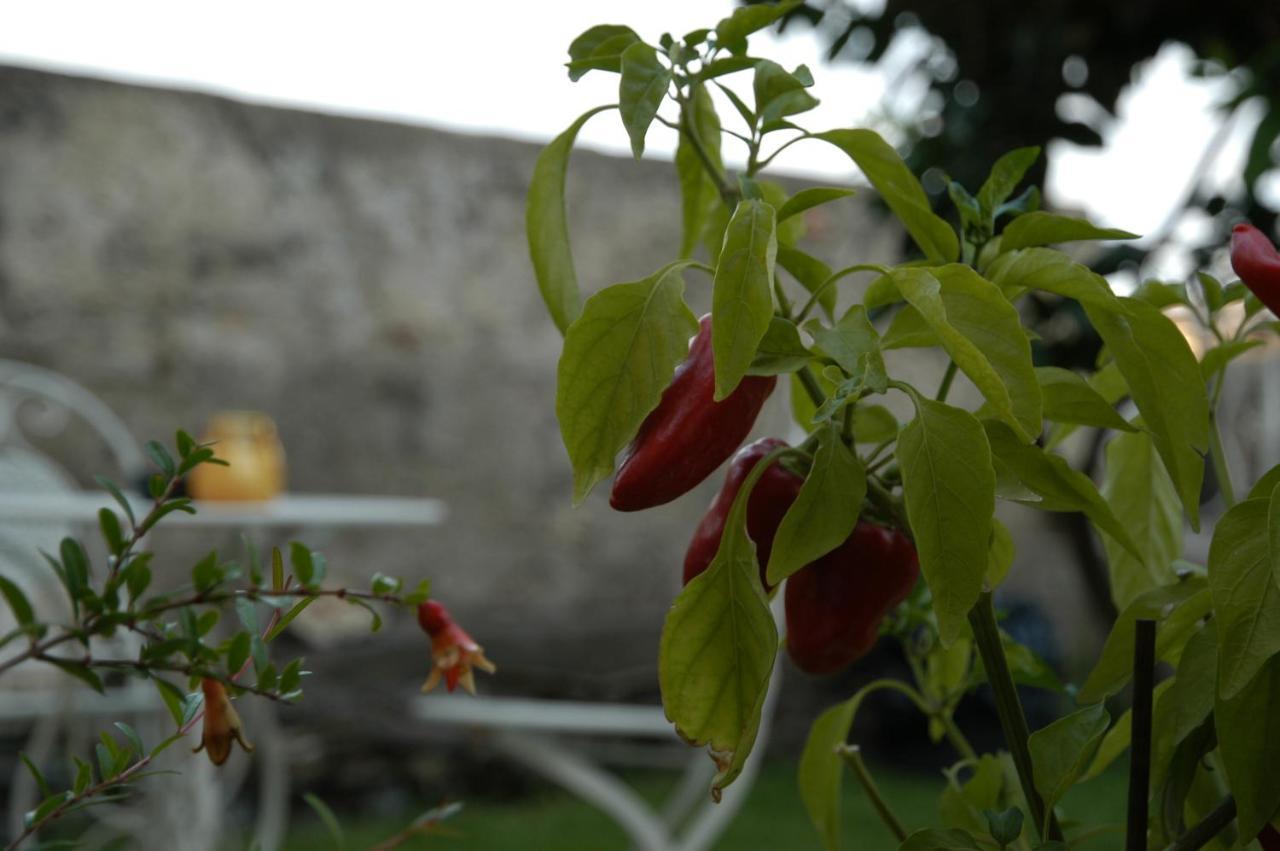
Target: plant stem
[
  {"x": 947, "y": 377},
  {"x": 982, "y": 618},
  {"x": 1144, "y": 672},
  {"x": 728, "y": 193},
  {"x": 1203, "y": 832},
  {"x": 1220, "y": 466},
  {"x": 811, "y": 386},
  {"x": 853, "y": 757}
]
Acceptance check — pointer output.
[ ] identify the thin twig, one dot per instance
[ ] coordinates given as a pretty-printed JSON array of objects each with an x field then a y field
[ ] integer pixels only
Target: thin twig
[{"x": 853, "y": 756}]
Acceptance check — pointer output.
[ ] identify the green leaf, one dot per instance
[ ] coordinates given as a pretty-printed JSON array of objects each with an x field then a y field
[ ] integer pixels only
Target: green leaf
[
  {"x": 781, "y": 351},
  {"x": 726, "y": 65},
  {"x": 825, "y": 511},
  {"x": 932, "y": 839},
  {"x": 1164, "y": 378},
  {"x": 1188, "y": 702},
  {"x": 810, "y": 273},
  {"x": 698, "y": 193},
  {"x": 961, "y": 806},
  {"x": 1005, "y": 826},
  {"x": 383, "y": 584},
  {"x": 45, "y": 809},
  {"x": 779, "y": 93},
  {"x": 22, "y": 611},
  {"x": 1248, "y": 728},
  {"x": 732, "y": 32},
  {"x": 81, "y": 672},
  {"x": 118, "y": 496},
  {"x": 1060, "y": 487},
  {"x": 643, "y": 86},
  {"x": 289, "y": 617},
  {"x": 547, "y": 227},
  {"x": 1061, "y": 752},
  {"x": 717, "y": 650},
  {"x": 874, "y": 424},
  {"x": 1052, "y": 271},
  {"x": 330, "y": 821},
  {"x": 109, "y": 523},
  {"x": 1041, "y": 228},
  {"x": 375, "y": 619},
  {"x": 900, "y": 190},
  {"x": 1245, "y": 594},
  {"x": 1005, "y": 176},
  {"x": 172, "y": 697},
  {"x": 983, "y": 334},
  {"x": 206, "y": 573},
  {"x": 618, "y": 358},
  {"x": 238, "y": 653},
  {"x": 949, "y": 486},
  {"x": 1145, "y": 503},
  {"x": 1115, "y": 664},
  {"x": 131, "y": 735},
  {"x": 1216, "y": 359},
  {"x": 161, "y": 457},
  {"x": 999, "y": 554},
  {"x": 853, "y": 344},
  {"x": 41, "y": 784},
  {"x": 1263, "y": 488},
  {"x": 599, "y": 48},
  {"x": 821, "y": 771},
  {"x": 808, "y": 198},
  {"x": 1119, "y": 737},
  {"x": 1068, "y": 398},
  {"x": 742, "y": 295}
]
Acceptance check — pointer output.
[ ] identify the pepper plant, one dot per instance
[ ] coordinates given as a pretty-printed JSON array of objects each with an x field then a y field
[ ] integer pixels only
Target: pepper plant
[{"x": 844, "y": 521}]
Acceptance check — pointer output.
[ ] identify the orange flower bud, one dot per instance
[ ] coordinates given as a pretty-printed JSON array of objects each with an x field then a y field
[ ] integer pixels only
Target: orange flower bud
[
  {"x": 221, "y": 723},
  {"x": 453, "y": 652}
]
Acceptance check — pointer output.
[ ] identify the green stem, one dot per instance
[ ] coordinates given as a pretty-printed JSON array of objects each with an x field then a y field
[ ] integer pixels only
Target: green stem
[
  {"x": 811, "y": 386},
  {"x": 982, "y": 618},
  {"x": 947, "y": 377},
  {"x": 728, "y": 193},
  {"x": 834, "y": 279},
  {"x": 884, "y": 499},
  {"x": 853, "y": 757},
  {"x": 933, "y": 713},
  {"x": 1220, "y": 466},
  {"x": 1203, "y": 832}
]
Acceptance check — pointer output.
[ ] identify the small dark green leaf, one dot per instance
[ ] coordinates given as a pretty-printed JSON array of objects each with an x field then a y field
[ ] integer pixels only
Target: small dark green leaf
[
  {"x": 161, "y": 457},
  {"x": 742, "y": 292},
  {"x": 206, "y": 573},
  {"x": 277, "y": 570},
  {"x": 289, "y": 616},
  {"x": 110, "y": 526},
  {"x": 383, "y": 584},
  {"x": 41, "y": 783},
  {"x": 22, "y": 611},
  {"x": 81, "y": 672},
  {"x": 643, "y": 86},
  {"x": 732, "y": 32},
  {"x": 238, "y": 653},
  {"x": 301, "y": 563},
  {"x": 1006, "y": 826},
  {"x": 1062, "y": 751},
  {"x": 1005, "y": 176},
  {"x": 118, "y": 496}
]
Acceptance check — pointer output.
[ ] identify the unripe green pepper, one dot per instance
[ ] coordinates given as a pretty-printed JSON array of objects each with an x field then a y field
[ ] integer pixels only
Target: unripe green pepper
[
  {"x": 1257, "y": 262},
  {"x": 689, "y": 434},
  {"x": 835, "y": 605},
  {"x": 772, "y": 495}
]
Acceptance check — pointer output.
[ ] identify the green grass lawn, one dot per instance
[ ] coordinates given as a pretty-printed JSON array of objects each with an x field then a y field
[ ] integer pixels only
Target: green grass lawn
[{"x": 773, "y": 818}]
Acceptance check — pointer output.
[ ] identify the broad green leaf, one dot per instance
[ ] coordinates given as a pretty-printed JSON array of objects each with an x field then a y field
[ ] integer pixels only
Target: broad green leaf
[
  {"x": 600, "y": 48},
  {"x": 1050, "y": 270},
  {"x": 821, "y": 771},
  {"x": 825, "y": 511},
  {"x": 1245, "y": 595},
  {"x": 732, "y": 32},
  {"x": 808, "y": 198},
  {"x": 1188, "y": 702},
  {"x": 547, "y": 227},
  {"x": 1041, "y": 228},
  {"x": 909, "y": 330},
  {"x": 698, "y": 194},
  {"x": 983, "y": 334},
  {"x": 1248, "y": 728},
  {"x": 1164, "y": 379},
  {"x": 618, "y": 358},
  {"x": 999, "y": 554},
  {"x": 1265, "y": 486},
  {"x": 949, "y": 486},
  {"x": 1115, "y": 664},
  {"x": 901, "y": 191},
  {"x": 1160, "y": 293},
  {"x": 1216, "y": 359},
  {"x": 640, "y": 92},
  {"x": 779, "y": 93},
  {"x": 1068, "y": 398},
  {"x": 803, "y": 407},
  {"x": 726, "y": 65},
  {"x": 1119, "y": 737},
  {"x": 1059, "y": 487},
  {"x": 742, "y": 294},
  {"x": 775, "y": 195},
  {"x": 1061, "y": 752},
  {"x": 1144, "y": 500},
  {"x": 1005, "y": 176},
  {"x": 811, "y": 273},
  {"x": 717, "y": 650},
  {"x": 781, "y": 350},
  {"x": 853, "y": 344},
  {"x": 874, "y": 424}
]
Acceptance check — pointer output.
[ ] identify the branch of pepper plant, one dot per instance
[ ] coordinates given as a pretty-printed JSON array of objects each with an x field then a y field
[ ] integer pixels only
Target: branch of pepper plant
[
  {"x": 853, "y": 756},
  {"x": 1203, "y": 832}
]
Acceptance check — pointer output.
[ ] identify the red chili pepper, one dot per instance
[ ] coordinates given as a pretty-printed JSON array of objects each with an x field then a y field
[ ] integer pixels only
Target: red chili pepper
[
  {"x": 1257, "y": 262},
  {"x": 1269, "y": 837},
  {"x": 835, "y": 605},
  {"x": 688, "y": 435},
  {"x": 772, "y": 495}
]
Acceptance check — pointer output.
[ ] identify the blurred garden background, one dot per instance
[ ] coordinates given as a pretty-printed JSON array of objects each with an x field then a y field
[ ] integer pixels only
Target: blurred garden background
[{"x": 317, "y": 213}]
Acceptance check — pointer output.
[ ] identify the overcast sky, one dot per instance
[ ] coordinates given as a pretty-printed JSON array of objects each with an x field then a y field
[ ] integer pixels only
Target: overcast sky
[{"x": 497, "y": 68}]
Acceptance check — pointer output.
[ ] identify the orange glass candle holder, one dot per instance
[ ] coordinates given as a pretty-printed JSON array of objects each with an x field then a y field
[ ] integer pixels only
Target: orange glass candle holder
[{"x": 249, "y": 443}]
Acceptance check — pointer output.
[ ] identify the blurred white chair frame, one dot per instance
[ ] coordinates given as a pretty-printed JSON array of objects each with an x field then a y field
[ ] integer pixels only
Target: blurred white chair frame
[
  {"x": 190, "y": 810},
  {"x": 531, "y": 733}
]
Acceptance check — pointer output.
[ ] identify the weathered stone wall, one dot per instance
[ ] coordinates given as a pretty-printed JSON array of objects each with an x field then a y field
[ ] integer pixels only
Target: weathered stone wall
[{"x": 368, "y": 285}]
